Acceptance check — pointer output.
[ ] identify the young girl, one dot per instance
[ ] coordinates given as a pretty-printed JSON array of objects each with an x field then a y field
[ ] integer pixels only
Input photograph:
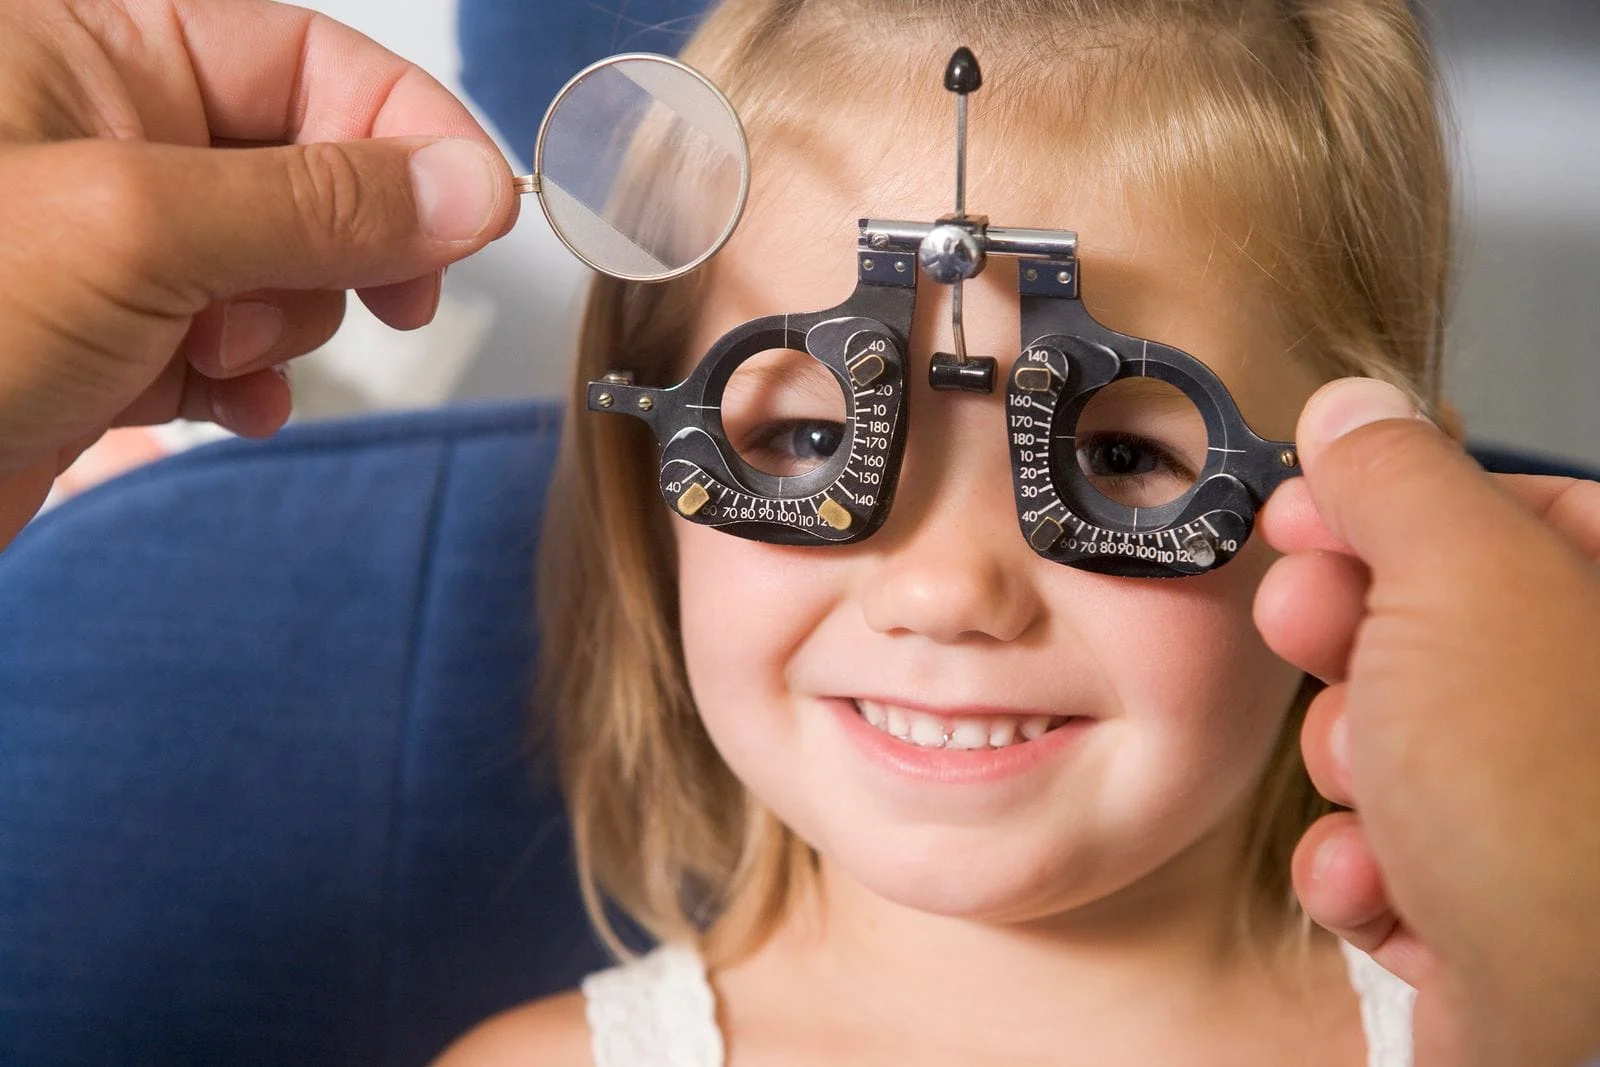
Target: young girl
[{"x": 930, "y": 798}]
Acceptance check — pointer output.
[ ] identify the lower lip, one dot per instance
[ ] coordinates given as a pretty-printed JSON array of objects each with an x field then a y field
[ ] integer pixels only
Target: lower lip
[{"x": 946, "y": 766}]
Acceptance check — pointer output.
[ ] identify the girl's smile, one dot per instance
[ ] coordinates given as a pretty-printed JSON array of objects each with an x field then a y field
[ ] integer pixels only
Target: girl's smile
[{"x": 954, "y": 746}]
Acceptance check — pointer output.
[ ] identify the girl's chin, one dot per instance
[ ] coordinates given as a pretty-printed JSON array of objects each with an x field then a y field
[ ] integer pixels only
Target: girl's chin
[{"x": 973, "y": 886}]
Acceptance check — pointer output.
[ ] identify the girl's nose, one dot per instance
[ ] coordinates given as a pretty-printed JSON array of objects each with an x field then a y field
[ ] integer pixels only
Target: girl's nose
[
  {"x": 950, "y": 563},
  {"x": 951, "y": 569}
]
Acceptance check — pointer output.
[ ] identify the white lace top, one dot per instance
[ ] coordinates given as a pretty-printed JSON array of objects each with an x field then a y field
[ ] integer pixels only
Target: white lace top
[{"x": 659, "y": 1011}]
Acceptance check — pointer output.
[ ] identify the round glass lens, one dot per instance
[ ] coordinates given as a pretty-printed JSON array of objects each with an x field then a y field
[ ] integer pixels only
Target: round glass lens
[
  {"x": 1141, "y": 442},
  {"x": 642, "y": 167},
  {"x": 784, "y": 413}
]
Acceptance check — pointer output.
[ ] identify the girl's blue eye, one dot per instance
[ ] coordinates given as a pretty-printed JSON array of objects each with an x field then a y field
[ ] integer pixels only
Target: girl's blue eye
[
  {"x": 816, "y": 440},
  {"x": 1131, "y": 470},
  {"x": 1119, "y": 457},
  {"x": 783, "y": 412},
  {"x": 791, "y": 447}
]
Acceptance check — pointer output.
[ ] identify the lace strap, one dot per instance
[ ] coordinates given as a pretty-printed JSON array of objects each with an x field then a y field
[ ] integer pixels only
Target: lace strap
[
  {"x": 656, "y": 1011},
  {"x": 1385, "y": 1009}
]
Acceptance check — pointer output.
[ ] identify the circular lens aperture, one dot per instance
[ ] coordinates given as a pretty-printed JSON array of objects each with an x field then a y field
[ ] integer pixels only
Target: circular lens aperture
[
  {"x": 784, "y": 413},
  {"x": 642, "y": 167},
  {"x": 1141, "y": 442}
]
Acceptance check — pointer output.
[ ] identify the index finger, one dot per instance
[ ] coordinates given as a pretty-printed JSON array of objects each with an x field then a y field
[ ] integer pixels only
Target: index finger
[
  {"x": 268, "y": 72},
  {"x": 1571, "y": 506}
]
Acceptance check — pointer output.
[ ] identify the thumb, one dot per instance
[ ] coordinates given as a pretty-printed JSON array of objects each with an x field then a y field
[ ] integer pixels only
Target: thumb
[
  {"x": 1403, "y": 496},
  {"x": 113, "y": 246},
  {"x": 208, "y": 223}
]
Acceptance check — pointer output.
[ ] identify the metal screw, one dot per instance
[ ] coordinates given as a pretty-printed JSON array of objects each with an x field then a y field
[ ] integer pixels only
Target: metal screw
[
  {"x": 604, "y": 400},
  {"x": 1288, "y": 458},
  {"x": 867, "y": 264},
  {"x": 900, "y": 266},
  {"x": 1065, "y": 277},
  {"x": 951, "y": 253},
  {"x": 1031, "y": 274},
  {"x": 1201, "y": 550},
  {"x": 879, "y": 241},
  {"x": 645, "y": 403}
]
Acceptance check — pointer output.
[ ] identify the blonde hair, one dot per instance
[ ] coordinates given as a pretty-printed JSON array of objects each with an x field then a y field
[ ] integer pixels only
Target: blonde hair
[{"x": 1314, "y": 122}]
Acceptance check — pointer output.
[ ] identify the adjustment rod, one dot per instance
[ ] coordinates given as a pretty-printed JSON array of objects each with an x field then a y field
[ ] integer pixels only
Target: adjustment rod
[{"x": 953, "y": 251}]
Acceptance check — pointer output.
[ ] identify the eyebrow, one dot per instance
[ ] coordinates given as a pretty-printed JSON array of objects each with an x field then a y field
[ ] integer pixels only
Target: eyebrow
[{"x": 1148, "y": 393}]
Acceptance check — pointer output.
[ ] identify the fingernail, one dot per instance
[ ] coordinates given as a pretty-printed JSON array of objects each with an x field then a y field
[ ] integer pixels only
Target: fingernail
[
  {"x": 1351, "y": 403},
  {"x": 455, "y": 185},
  {"x": 1339, "y": 746},
  {"x": 250, "y": 329}
]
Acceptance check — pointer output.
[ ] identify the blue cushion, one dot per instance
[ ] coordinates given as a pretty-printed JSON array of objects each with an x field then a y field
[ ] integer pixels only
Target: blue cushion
[
  {"x": 1499, "y": 460},
  {"x": 264, "y": 793}
]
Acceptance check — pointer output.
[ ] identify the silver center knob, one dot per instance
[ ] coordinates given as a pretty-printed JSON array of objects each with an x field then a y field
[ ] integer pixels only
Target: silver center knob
[{"x": 951, "y": 254}]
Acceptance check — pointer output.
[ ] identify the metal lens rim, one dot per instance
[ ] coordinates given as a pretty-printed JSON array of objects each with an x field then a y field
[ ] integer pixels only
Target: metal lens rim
[
  {"x": 744, "y": 164},
  {"x": 752, "y": 479},
  {"x": 1086, "y": 500}
]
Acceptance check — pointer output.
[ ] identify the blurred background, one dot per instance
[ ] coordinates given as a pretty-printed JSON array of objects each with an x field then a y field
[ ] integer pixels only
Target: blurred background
[{"x": 1524, "y": 363}]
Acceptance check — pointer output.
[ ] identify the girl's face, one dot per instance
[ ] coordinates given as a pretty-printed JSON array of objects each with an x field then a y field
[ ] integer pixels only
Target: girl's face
[{"x": 1162, "y": 702}]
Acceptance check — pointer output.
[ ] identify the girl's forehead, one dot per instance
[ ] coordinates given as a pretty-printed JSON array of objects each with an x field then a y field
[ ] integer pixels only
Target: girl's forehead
[
  {"x": 812, "y": 182},
  {"x": 873, "y": 162}
]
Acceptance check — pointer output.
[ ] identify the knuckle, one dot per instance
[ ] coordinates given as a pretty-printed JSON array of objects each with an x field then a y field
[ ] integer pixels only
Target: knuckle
[
  {"x": 1578, "y": 510},
  {"x": 125, "y": 246},
  {"x": 330, "y": 196},
  {"x": 123, "y": 200}
]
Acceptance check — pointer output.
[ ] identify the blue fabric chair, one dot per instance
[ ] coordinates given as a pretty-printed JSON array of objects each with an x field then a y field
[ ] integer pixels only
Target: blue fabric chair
[{"x": 264, "y": 791}]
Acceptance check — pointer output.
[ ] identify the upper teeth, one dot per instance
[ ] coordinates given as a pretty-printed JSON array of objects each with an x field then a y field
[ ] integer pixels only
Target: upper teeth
[{"x": 938, "y": 731}]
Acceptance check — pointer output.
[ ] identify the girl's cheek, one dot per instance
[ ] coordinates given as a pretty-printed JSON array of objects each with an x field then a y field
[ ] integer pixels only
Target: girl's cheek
[
  {"x": 745, "y": 606},
  {"x": 1186, "y": 649}
]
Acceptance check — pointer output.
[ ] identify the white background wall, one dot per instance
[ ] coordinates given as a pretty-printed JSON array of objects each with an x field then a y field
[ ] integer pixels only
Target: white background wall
[
  {"x": 526, "y": 282},
  {"x": 1525, "y": 365}
]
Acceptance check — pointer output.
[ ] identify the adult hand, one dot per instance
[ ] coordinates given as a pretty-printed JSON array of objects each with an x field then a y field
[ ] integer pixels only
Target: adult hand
[
  {"x": 153, "y": 266},
  {"x": 1457, "y": 620}
]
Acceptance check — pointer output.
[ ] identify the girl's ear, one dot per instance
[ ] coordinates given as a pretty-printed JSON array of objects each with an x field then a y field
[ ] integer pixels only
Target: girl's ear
[{"x": 1448, "y": 417}]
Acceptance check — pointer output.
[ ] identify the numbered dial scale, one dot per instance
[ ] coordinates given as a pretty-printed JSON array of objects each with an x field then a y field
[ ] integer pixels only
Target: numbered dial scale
[{"x": 1067, "y": 360}]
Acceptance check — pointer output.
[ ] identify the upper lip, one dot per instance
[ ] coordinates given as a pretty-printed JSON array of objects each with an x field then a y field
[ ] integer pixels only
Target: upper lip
[{"x": 965, "y": 711}]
